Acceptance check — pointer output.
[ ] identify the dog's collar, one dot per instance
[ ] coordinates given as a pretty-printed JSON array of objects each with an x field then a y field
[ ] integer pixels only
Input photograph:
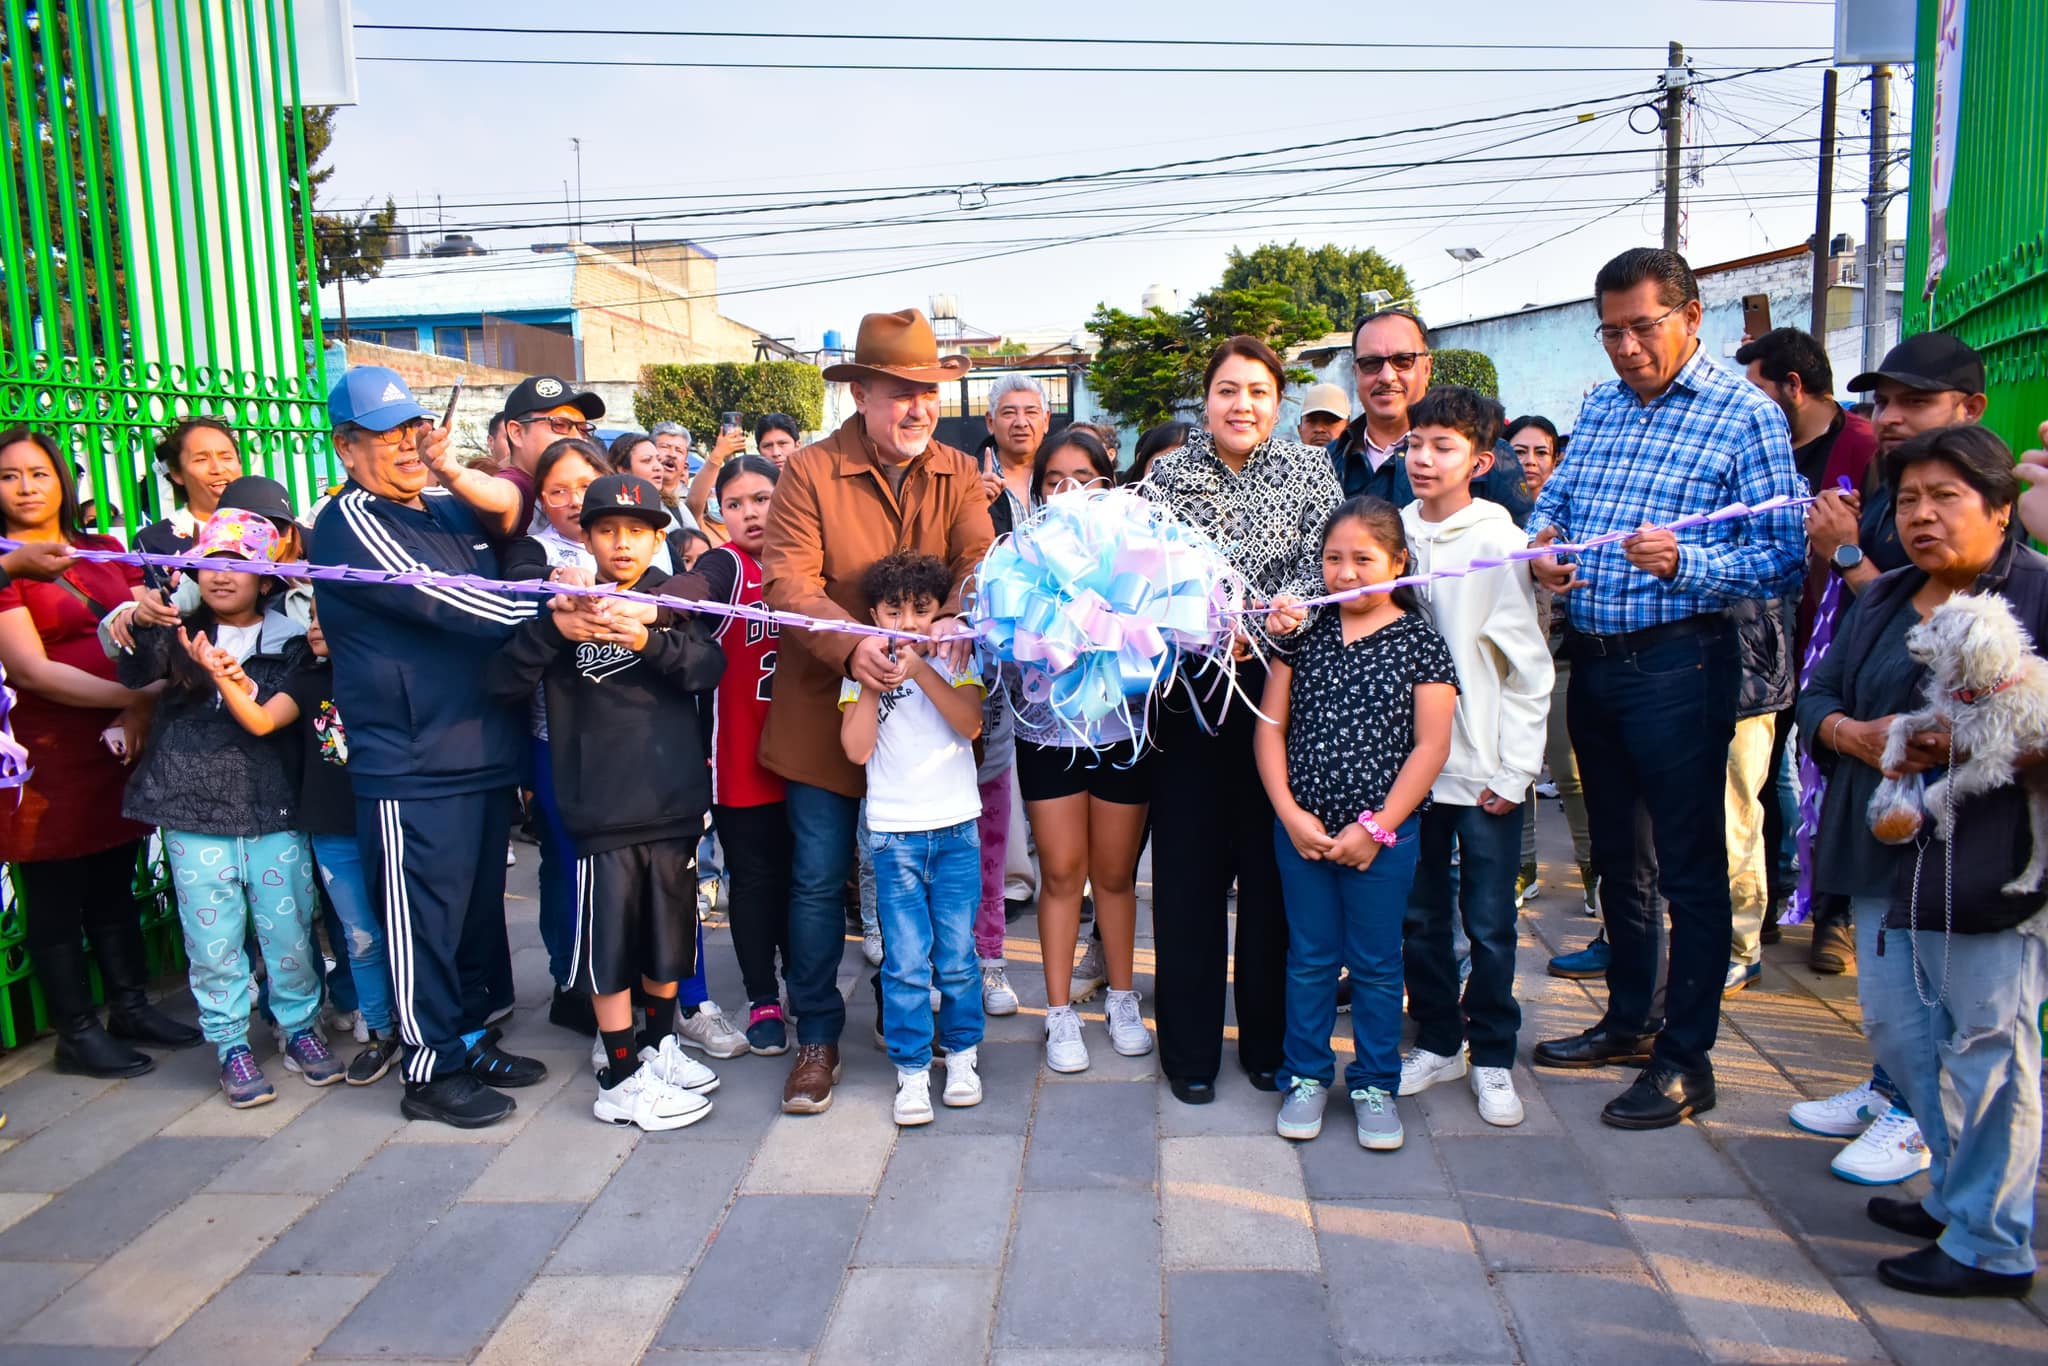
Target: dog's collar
[{"x": 1970, "y": 696}]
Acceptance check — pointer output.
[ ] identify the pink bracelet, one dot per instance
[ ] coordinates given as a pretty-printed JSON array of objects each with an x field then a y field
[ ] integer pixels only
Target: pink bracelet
[{"x": 1380, "y": 835}]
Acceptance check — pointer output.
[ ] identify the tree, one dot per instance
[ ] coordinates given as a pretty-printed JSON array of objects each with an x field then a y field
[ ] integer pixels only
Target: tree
[
  {"x": 1473, "y": 369},
  {"x": 696, "y": 395},
  {"x": 346, "y": 246},
  {"x": 1149, "y": 365},
  {"x": 1336, "y": 278}
]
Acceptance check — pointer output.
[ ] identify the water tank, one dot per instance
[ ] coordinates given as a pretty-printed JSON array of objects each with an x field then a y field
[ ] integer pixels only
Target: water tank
[
  {"x": 457, "y": 244},
  {"x": 833, "y": 341},
  {"x": 945, "y": 306},
  {"x": 1161, "y": 297}
]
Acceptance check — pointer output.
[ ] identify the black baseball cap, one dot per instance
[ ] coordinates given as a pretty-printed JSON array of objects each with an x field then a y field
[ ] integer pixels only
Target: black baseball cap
[
  {"x": 623, "y": 495},
  {"x": 545, "y": 393},
  {"x": 264, "y": 497},
  {"x": 1931, "y": 362}
]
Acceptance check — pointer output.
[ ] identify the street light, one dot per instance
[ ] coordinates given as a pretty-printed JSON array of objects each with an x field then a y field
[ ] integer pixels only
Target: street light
[{"x": 1464, "y": 256}]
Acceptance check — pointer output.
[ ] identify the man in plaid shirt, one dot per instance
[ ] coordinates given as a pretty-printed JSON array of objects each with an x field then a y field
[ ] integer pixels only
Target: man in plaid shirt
[{"x": 1655, "y": 667}]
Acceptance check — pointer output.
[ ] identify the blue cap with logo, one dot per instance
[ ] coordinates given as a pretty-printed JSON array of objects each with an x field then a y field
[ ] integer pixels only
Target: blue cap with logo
[{"x": 374, "y": 397}]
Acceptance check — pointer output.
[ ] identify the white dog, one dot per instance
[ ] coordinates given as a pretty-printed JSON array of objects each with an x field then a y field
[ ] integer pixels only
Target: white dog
[{"x": 1991, "y": 690}]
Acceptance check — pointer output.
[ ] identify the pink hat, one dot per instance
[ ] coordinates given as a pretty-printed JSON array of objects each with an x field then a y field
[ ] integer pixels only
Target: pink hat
[{"x": 236, "y": 531}]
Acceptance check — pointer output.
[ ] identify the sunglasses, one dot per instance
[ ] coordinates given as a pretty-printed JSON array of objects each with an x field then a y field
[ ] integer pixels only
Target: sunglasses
[{"x": 1402, "y": 361}]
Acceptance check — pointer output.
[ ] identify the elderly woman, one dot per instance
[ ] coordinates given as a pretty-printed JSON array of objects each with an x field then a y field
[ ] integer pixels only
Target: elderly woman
[
  {"x": 1265, "y": 501},
  {"x": 1950, "y": 992}
]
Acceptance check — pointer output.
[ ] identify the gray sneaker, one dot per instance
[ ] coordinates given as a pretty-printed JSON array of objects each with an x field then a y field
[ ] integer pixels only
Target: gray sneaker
[
  {"x": 1089, "y": 973},
  {"x": 1379, "y": 1123},
  {"x": 1301, "y": 1114}
]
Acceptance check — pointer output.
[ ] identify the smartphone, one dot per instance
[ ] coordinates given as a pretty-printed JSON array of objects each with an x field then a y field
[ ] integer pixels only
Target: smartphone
[
  {"x": 729, "y": 422},
  {"x": 454, "y": 397},
  {"x": 1756, "y": 315}
]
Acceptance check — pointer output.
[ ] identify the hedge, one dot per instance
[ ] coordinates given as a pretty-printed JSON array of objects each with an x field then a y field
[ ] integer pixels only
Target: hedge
[
  {"x": 1473, "y": 369},
  {"x": 696, "y": 395}
]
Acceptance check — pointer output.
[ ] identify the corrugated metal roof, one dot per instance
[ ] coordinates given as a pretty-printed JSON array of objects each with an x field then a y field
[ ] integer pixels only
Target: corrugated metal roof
[{"x": 446, "y": 286}]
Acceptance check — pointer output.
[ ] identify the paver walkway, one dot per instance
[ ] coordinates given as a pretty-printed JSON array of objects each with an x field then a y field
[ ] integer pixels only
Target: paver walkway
[{"x": 1089, "y": 1219}]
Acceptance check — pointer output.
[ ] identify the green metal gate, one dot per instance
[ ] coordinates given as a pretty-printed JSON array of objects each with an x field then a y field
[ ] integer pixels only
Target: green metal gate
[{"x": 1994, "y": 292}]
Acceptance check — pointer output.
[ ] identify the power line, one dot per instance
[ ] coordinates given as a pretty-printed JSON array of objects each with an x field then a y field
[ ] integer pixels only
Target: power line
[{"x": 1006, "y": 69}]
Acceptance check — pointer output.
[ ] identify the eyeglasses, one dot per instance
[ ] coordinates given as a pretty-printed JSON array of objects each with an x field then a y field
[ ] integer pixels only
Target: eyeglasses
[
  {"x": 560, "y": 426},
  {"x": 1402, "y": 361},
  {"x": 1610, "y": 337},
  {"x": 565, "y": 498},
  {"x": 402, "y": 434}
]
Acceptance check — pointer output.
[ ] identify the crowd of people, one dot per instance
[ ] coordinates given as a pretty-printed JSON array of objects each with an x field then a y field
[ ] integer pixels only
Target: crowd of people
[{"x": 333, "y": 768}]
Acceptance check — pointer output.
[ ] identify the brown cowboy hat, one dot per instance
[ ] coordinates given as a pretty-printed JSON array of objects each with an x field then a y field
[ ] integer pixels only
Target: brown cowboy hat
[{"x": 898, "y": 346}]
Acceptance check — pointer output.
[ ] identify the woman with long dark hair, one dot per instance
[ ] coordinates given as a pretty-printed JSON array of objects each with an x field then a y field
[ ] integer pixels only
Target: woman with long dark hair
[
  {"x": 65, "y": 835},
  {"x": 1265, "y": 500}
]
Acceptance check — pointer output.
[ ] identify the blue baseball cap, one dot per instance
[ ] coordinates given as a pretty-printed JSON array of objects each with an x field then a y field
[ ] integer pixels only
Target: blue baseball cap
[{"x": 374, "y": 397}]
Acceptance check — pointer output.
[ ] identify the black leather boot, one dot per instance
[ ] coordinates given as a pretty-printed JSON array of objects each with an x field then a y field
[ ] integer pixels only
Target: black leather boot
[
  {"x": 84, "y": 1048},
  {"x": 124, "y": 967}
]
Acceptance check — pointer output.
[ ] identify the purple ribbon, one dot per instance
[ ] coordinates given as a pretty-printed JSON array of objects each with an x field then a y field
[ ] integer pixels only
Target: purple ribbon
[{"x": 14, "y": 765}]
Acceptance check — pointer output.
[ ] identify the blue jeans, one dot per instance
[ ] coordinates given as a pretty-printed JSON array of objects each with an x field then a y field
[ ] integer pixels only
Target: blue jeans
[
  {"x": 1652, "y": 730},
  {"x": 870, "y": 917},
  {"x": 927, "y": 892},
  {"x": 1341, "y": 917},
  {"x": 821, "y": 828},
  {"x": 1868, "y": 918},
  {"x": 1489, "y": 850},
  {"x": 557, "y": 869},
  {"x": 339, "y": 859},
  {"x": 1983, "y": 1132}
]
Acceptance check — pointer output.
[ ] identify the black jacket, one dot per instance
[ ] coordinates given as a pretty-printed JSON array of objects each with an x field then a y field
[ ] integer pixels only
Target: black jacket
[
  {"x": 1502, "y": 484},
  {"x": 623, "y": 732},
  {"x": 200, "y": 771},
  {"x": 1763, "y": 632}
]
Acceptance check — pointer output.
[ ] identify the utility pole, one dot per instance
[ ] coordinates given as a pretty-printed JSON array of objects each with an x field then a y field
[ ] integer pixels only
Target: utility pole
[
  {"x": 1674, "y": 140},
  {"x": 577, "y": 143},
  {"x": 1874, "y": 305},
  {"x": 1823, "y": 207}
]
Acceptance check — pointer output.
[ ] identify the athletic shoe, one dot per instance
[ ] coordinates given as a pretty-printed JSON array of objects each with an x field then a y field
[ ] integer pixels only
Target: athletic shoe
[
  {"x": 963, "y": 1083},
  {"x": 871, "y": 948},
  {"x": 1494, "y": 1087},
  {"x": 344, "y": 1022},
  {"x": 1089, "y": 973},
  {"x": 1739, "y": 976},
  {"x": 710, "y": 1031},
  {"x": 373, "y": 1060},
  {"x": 1064, "y": 1050},
  {"x": 1591, "y": 961},
  {"x": 457, "y": 1099},
  {"x": 1844, "y": 1114},
  {"x": 1528, "y": 884},
  {"x": 1889, "y": 1151},
  {"x": 1379, "y": 1122},
  {"x": 493, "y": 1066},
  {"x": 242, "y": 1081},
  {"x": 913, "y": 1097},
  {"x": 1127, "y": 1032},
  {"x": 677, "y": 1068},
  {"x": 1546, "y": 788},
  {"x": 1301, "y": 1113},
  {"x": 1422, "y": 1069},
  {"x": 648, "y": 1101},
  {"x": 766, "y": 1032},
  {"x": 308, "y": 1055},
  {"x": 571, "y": 1010},
  {"x": 511, "y": 855},
  {"x": 998, "y": 997}
]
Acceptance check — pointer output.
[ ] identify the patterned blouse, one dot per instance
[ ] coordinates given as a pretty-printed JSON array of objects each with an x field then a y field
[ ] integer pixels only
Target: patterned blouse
[
  {"x": 1351, "y": 712},
  {"x": 1268, "y": 518}
]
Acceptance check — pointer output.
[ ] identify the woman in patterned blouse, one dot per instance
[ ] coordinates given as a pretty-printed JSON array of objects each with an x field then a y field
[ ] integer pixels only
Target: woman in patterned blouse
[{"x": 1265, "y": 501}]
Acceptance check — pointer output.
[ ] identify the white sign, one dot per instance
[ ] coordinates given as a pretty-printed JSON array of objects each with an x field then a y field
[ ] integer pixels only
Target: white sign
[
  {"x": 1948, "y": 95},
  {"x": 1871, "y": 31},
  {"x": 325, "y": 33}
]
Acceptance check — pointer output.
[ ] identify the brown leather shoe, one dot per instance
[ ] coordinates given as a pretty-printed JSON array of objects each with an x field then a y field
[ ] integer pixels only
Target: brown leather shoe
[
  {"x": 809, "y": 1088},
  {"x": 1833, "y": 948}
]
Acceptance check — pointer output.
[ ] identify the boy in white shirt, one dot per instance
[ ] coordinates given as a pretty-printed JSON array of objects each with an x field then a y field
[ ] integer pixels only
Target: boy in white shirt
[
  {"x": 1488, "y": 617},
  {"x": 917, "y": 740}
]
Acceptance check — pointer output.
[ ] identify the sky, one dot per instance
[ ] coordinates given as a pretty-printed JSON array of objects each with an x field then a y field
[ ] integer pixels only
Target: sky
[{"x": 738, "y": 159}]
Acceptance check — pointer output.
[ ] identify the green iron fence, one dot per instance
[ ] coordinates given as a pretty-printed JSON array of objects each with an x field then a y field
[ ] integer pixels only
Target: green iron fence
[{"x": 1994, "y": 291}]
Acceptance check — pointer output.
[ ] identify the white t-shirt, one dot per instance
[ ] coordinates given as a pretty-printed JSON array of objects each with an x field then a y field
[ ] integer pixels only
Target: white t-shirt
[{"x": 921, "y": 775}]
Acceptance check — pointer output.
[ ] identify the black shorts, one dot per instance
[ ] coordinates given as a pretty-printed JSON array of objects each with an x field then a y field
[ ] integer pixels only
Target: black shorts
[
  {"x": 1117, "y": 773},
  {"x": 636, "y": 916}
]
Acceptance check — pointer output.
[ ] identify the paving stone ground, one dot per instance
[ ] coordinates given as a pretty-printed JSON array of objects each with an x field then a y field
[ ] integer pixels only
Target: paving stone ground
[{"x": 1066, "y": 1220}]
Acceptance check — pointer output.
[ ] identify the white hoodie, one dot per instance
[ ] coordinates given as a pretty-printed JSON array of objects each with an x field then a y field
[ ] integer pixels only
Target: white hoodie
[{"x": 1489, "y": 620}]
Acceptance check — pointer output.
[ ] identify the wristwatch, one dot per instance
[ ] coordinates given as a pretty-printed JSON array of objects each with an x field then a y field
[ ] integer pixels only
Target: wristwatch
[{"x": 1846, "y": 558}]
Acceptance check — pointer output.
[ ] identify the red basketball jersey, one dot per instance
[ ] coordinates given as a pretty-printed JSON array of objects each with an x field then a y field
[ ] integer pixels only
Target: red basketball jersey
[{"x": 740, "y": 706}]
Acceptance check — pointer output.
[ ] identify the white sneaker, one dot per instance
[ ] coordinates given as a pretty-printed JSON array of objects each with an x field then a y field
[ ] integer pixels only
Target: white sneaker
[
  {"x": 344, "y": 1022},
  {"x": 1844, "y": 1114},
  {"x": 998, "y": 997},
  {"x": 709, "y": 1030},
  {"x": 648, "y": 1101},
  {"x": 963, "y": 1083},
  {"x": 1127, "y": 1032},
  {"x": 1546, "y": 788},
  {"x": 913, "y": 1097},
  {"x": 1495, "y": 1089},
  {"x": 1422, "y": 1069},
  {"x": 678, "y": 1068},
  {"x": 511, "y": 855},
  {"x": 1089, "y": 973},
  {"x": 1064, "y": 1050},
  {"x": 871, "y": 948},
  {"x": 1889, "y": 1151}
]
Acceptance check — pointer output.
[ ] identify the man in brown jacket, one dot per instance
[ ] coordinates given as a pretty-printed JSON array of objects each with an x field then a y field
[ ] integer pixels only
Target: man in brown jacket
[{"x": 877, "y": 485}]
